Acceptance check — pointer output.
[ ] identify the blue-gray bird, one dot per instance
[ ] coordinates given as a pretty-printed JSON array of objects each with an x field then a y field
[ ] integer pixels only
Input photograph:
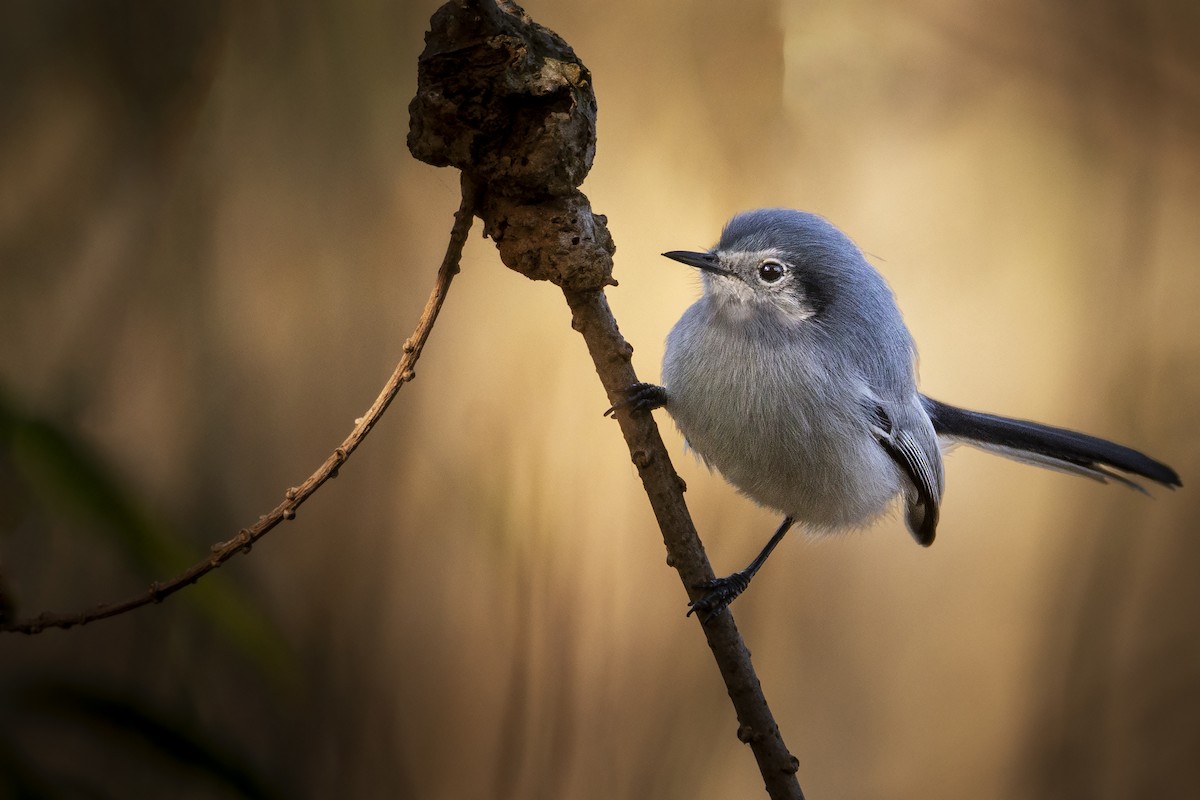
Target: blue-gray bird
[{"x": 794, "y": 377}]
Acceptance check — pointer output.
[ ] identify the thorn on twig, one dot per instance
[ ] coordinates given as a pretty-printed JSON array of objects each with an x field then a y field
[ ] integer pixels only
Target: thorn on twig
[{"x": 339, "y": 457}]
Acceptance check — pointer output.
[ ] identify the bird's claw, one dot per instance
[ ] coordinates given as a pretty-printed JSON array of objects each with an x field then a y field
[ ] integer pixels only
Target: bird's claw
[
  {"x": 640, "y": 397},
  {"x": 721, "y": 592}
]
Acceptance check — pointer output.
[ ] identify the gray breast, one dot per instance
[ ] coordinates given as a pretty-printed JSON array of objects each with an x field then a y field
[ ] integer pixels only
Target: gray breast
[{"x": 760, "y": 405}]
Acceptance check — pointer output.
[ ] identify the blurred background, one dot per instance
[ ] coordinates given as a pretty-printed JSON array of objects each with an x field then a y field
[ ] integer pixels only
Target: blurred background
[{"x": 213, "y": 242}]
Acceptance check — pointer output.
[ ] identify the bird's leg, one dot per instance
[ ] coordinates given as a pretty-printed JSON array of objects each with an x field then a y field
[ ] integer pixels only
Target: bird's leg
[
  {"x": 640, "y": 397},
  {"x": 723, "y": 591}
]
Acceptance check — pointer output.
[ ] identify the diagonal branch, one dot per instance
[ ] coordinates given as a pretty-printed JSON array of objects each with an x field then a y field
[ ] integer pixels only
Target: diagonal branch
[
  {"x": 295, "y": 496},
  {"x": 508, "y": 102},
  {"x": 756, "y": 724}
]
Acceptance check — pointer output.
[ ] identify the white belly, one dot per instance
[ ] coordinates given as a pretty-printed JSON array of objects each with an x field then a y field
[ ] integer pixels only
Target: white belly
[{"x": 797, "y": 442}]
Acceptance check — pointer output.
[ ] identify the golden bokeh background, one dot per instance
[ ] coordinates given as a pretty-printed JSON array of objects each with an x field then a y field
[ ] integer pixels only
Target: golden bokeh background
[{"x": 213, "y": 242}]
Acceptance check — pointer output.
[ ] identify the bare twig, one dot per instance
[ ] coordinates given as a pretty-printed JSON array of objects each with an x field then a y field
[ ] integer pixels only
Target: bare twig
[
  {"x": 508, "y": 102},
  {"x": 295, "y": 496}
]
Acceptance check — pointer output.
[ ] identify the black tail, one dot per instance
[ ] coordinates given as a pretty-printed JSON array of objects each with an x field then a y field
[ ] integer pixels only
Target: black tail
[{"x": 1046, "y": 446}]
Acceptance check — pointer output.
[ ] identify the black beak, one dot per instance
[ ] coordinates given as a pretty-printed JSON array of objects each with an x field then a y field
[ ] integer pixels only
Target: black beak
[{"x": 705, "y": 261}]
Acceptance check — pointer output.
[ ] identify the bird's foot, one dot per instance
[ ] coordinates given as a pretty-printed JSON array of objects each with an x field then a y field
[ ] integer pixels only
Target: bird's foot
[
  {"x": 640, "y": 397},
  {"x": 721, "y": 592}
]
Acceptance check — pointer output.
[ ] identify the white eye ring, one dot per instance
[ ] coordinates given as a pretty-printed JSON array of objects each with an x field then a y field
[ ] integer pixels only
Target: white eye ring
[{"x": 771, "y": 271}]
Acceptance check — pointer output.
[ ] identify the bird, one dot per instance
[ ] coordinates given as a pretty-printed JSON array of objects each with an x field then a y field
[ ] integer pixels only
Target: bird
[{"x": 794, "y": 377}]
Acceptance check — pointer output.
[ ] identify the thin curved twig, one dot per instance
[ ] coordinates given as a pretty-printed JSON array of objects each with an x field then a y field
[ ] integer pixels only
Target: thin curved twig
[{"x": 295, "y": 496}]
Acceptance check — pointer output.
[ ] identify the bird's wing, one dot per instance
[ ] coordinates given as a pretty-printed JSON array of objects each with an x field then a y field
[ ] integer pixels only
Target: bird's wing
[{"x": 922, "y": 463}]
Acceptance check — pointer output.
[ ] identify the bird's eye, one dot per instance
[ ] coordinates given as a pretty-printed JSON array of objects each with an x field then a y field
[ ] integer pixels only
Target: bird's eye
[{"x": 770, "y": 271}]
